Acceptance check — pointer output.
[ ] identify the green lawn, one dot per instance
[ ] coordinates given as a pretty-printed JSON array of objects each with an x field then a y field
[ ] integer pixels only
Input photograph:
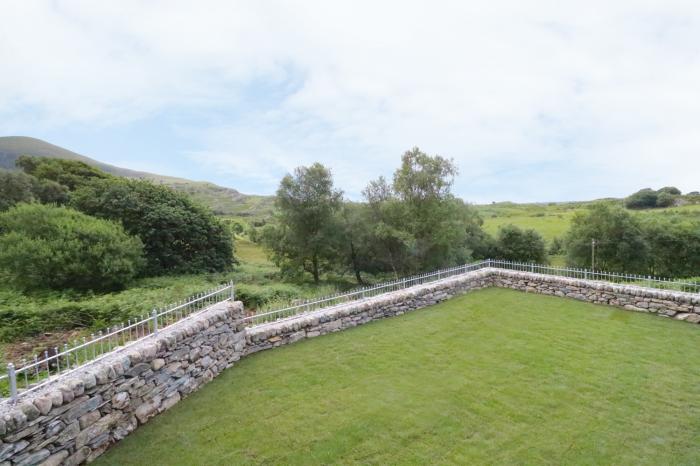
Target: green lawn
[{"x": 493, "y": 377}]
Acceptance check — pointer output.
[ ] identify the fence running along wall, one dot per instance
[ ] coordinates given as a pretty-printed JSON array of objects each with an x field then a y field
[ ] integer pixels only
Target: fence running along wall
[
  {"x": 31, "y": 375},
  {"x": 76, "y": 416}
]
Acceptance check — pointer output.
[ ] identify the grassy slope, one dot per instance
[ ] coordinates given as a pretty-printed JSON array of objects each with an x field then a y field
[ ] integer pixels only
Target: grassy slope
[
  {"x": 493, "y": 377},
  {"x": 552, "y": 220}
]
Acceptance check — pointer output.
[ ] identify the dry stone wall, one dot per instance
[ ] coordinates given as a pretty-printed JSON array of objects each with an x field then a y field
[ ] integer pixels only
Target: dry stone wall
[
  {"x": 76, "y": 418},
  {"x": 678, "y": 305},
  {"x": 351, "y": 315}
]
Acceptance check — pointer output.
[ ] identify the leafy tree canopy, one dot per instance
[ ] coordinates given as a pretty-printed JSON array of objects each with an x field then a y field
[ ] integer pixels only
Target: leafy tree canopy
[{"x": 179, "y": 236}]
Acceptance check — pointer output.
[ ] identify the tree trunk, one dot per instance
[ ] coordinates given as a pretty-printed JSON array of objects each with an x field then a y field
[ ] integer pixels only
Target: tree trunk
[
  {"x": 355, "y": 267},
  {"x": 314, "y": 263}
]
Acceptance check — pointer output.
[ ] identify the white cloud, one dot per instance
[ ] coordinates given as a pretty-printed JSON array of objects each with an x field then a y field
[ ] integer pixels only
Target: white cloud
[{"x": 587, "y": 98}]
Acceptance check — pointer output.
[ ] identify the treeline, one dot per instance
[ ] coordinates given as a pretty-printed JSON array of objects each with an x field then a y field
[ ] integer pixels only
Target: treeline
[
  {"x": 414, "y": 223},
  {"x": 410, "y": 224},
  {"x": 667, "y": 196},
  {"x": 663, "y": 246},
  {"x": 67, "y": 225}
]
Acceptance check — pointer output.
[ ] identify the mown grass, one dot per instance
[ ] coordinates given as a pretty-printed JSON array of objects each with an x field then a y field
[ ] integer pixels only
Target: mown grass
[{"x": 493, "y": 377}]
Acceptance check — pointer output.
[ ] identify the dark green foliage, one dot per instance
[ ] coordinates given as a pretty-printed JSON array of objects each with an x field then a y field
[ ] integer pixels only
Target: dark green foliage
[
  {"x": 674, "y": 247},
  {"x": 179, "y": 236},
  {"x": 306, "y": 237},
  {"x": 619, "y": 237},
  {"x": 648, "y": 198},
  {"x": 69, "y": 173},
  {"x": 15, "y": 188},
  {"x": 54, "y": 247},
  {"x": 665, "y": 199},
  {"x": 642, "y": 199},
  {"x": 519, "y": 245},
  {"x": 556, "y": 247},
  {"x": 415, "y": 223},
  {"x": 672, "y": 190}
]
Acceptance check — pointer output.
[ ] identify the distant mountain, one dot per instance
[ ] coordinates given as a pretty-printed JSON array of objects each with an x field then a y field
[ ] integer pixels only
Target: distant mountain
[{"x": 224, "y": 201}]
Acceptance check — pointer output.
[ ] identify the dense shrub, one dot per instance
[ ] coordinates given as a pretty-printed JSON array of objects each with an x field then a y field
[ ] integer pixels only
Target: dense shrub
[
  {"x": 665, "y": 199},
  {"x": 642, "y": 199},
  {"x": 15, "y": 187},
  {"x": 556, "y": 246},
  {"x": 44, "y": 246},
  {"x": 674, "y": 246},
  {"x": 520, "y": 245},
  {"x": 621, "y": 245},
  {"x": 179, "y": 236},
  {"x": 672, "y": 190}
]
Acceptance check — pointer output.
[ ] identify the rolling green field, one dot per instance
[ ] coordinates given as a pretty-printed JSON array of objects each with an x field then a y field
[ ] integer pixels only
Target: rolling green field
[
  {"x": 552, "y": 220},
  {"x": 492, "y": 377}
]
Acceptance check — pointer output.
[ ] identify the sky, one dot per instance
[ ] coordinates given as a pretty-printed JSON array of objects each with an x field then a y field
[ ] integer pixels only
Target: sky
[{"x": 535, "y": 101}]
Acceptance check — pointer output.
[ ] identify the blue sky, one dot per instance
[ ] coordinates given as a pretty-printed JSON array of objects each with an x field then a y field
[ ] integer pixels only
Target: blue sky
[{"x": 535, "y": 101}]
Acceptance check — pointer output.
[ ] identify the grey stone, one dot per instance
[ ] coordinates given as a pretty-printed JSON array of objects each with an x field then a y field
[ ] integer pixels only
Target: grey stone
[
  {"x": 78, "y": 457},
  {"x": 56, "y": 459},
  {"x": 147, "y": 410},
  {"x": 138, "y": 369},
  {"x": 157, "y": 364},
  {"x": 120, "y": 400},
  {"x": 69, "y": 433},
  {"x": 34, "y": 458},
  {"x": 30, "y": 411},
  {"x": 43, "y": 404},
  {"x": 88, "y": 419},
  {"x": 82, "y": 408},
  {"x": 102, "y": 426}
]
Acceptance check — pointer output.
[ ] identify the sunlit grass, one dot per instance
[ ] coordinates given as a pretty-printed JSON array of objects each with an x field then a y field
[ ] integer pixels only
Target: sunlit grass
[{"x": 493, "y": 377}]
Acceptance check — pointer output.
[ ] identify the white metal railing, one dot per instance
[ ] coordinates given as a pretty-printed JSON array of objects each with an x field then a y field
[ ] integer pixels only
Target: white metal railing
[
  {"x": 381, "y": 288},
  {"x": 30, "y": 375},
  {"x": 361, "y": 293},
  {"x": 600, "y": 275},
  {"x": 43, "y": 368}
]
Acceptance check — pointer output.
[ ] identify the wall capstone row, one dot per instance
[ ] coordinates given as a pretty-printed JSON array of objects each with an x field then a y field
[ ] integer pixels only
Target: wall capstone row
[{"x": 77, "y": 417}]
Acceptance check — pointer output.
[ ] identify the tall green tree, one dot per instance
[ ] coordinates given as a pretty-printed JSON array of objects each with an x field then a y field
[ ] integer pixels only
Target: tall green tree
[
  {"x": 308, "y": 231},
  {"x": 620, "y": 241},
  {"x": 415, "y": 222}
]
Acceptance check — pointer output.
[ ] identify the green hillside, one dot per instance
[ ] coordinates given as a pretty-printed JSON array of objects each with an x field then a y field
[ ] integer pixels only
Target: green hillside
[
  {"x": 552, "y": 219},
  {"x": 221, "y": 200}
]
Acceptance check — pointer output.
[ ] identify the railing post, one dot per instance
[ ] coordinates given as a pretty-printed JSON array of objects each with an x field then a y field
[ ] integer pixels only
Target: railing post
[
  {"x": 12, "y": 377},
  {"x": 233, "y": 291},
  {"x": 154, "y": 315}
]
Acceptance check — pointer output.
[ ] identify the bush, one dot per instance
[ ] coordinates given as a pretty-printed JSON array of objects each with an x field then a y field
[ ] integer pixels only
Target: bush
[
  {"x": 620, "y": 242},
  {"x": 665, "y": 199},
  {"x": 556, "y": 247},
  {"x": 44, "y": 246},
  {"x": 179, "y": 236},
  {"x": 672, "y": 190},
  {"x": 15, "y": 187},
  {"x": 520, "y": 245},
  {"x": 642, "y": 199}
]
